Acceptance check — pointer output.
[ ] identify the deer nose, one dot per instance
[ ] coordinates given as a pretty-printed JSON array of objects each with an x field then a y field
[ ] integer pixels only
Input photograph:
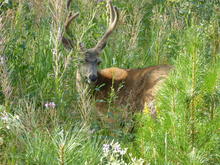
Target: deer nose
[{"x": 93, "y": 77}]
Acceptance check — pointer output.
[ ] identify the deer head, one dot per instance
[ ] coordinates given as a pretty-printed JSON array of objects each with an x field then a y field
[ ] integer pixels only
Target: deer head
[{"x": 88, "y": 68}]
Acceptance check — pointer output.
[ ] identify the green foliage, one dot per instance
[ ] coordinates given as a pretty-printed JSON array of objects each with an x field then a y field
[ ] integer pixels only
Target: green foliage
[
  {"x": 28, "y": 140},
  {"x": 36, "y": 70},
  {"x": 188, "y": 105}
]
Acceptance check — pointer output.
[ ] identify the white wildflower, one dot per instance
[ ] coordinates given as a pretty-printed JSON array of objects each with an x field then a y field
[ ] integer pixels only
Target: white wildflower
[{"x": 106, "y": 148}]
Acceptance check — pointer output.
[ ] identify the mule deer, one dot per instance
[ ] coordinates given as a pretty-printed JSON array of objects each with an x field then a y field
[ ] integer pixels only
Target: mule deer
[{"x": 135, "y": 87}]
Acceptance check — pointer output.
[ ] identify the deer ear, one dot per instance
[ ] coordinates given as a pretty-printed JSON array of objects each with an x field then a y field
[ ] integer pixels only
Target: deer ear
[
  {"x": 114, "y": 73},
  {"x": 82, "y": 47}
]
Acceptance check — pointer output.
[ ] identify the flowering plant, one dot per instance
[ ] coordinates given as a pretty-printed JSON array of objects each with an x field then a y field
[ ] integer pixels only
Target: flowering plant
[
  {"x": 113, "y": 154},
  {"x": 50, "y": 105}
]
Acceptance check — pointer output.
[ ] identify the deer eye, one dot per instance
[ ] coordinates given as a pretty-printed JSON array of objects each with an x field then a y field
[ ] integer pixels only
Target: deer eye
[
  {"x": 86, "y": 61},
  {"x": 99, "y": 62}
]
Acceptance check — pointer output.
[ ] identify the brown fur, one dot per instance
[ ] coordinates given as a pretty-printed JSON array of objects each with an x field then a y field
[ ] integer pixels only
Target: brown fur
[{"x": 135, "y": 87}]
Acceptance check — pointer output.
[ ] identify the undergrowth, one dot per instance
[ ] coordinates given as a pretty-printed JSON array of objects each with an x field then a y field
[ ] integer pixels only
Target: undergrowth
[{"x": 44, "y": 120}]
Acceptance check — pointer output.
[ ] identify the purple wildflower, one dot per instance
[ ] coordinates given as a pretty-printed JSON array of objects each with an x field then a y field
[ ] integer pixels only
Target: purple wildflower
[
  {"x": 50, "y": 105},
  {"x": 46, "y": 105},
  {"x": 122, "y": 152},
  {"x": 116, "y": 147}
]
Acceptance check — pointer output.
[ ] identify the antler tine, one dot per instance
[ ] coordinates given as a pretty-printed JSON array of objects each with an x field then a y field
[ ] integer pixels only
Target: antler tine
[
  {"x": 71, "y": 16},
  {"x": 69, "y": 20},
  {"x": 111, "y": 10},
  {"x": 68, "y": 4},
  {"x": 68, "y": 43},
  {"x": 113, "y": 22}
]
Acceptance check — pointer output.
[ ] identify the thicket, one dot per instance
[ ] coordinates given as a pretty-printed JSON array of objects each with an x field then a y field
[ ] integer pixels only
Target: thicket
[{"x": 43, "y": 120}]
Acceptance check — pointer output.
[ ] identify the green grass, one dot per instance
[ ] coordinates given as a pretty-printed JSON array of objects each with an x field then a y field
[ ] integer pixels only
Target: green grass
[{"x": 36, "y": 70}]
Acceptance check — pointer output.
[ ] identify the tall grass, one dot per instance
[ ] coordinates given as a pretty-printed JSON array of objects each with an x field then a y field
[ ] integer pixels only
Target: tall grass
[{"x": 36, "y": 70}]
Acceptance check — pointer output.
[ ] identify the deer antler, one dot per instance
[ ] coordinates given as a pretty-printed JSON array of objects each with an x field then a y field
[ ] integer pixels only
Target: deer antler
[
  {"x": 68, "y": 4},
  {"x": 114, "y": 15},
  {"x": 68, "y": 43}
]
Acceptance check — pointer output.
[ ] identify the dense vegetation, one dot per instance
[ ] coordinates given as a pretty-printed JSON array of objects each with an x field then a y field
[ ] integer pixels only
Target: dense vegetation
[{"x": 44, "y": 120}]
